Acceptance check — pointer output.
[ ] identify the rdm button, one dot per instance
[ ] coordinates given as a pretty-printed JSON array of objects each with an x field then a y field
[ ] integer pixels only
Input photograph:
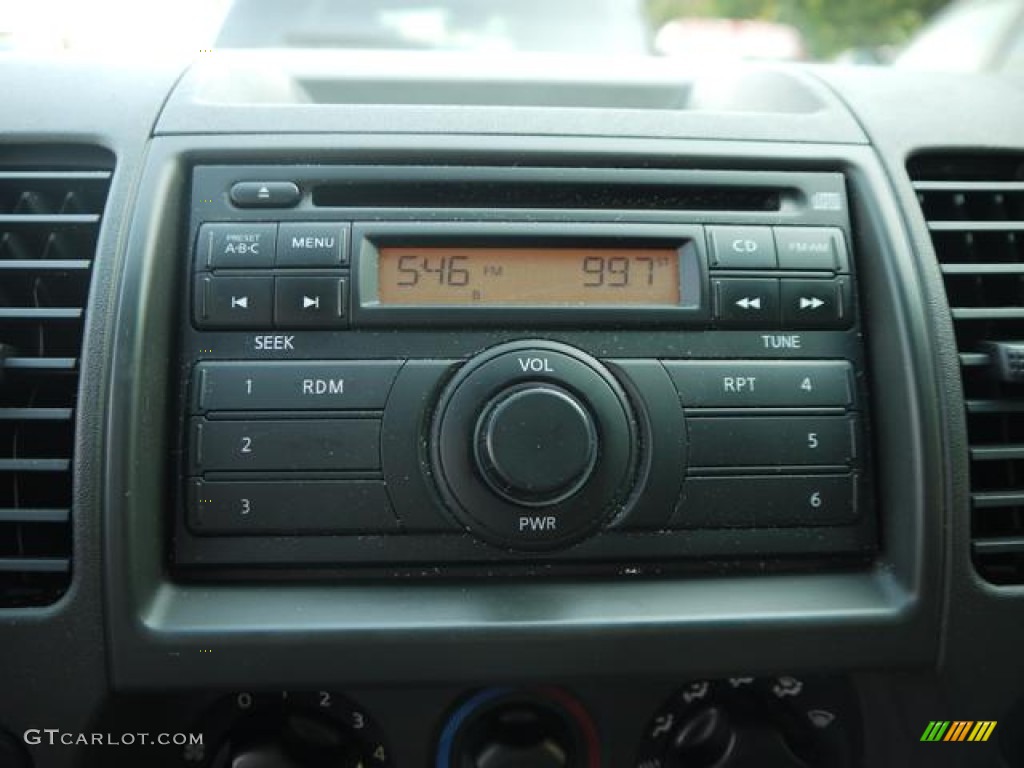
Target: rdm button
[{"x": 288, "y": 386}]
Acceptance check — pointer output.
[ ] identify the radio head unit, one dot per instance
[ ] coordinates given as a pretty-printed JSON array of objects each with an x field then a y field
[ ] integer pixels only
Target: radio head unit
[{"x": 382, "y": 388}]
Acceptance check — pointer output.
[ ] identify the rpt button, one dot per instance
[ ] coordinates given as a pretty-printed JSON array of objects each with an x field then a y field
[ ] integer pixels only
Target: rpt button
[
  {"x": 749, "y": 384},
  {"x": 293, "y": 386}
]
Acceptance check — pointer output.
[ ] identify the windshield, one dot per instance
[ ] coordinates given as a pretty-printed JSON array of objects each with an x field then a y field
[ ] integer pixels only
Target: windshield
[
  {"x": 965, "y": 35},
  {"x": 604, "y": 27}
]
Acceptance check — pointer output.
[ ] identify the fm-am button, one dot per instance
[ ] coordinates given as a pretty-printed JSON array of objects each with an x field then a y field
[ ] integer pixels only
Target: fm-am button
[{"x": 293, "y": 386}]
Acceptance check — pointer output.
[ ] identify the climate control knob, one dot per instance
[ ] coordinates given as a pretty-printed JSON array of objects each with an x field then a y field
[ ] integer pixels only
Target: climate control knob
[
  {"x": 536, "y": 444},
  {"x": 747, "y": 722},
  {"x": 506, "y": 728}
]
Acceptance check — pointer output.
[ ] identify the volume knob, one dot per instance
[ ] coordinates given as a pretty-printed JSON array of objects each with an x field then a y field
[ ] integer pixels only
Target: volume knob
[{"x": 536, "y": 444}]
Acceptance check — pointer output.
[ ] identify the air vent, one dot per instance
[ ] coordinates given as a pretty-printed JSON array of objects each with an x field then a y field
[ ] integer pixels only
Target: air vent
[
  {"x": 974, "y": 205},
  {"x": 48, "y": 227}
]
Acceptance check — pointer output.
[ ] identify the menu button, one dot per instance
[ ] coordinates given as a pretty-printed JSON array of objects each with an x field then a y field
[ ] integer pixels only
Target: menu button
[{"x": 315, "y": 244}]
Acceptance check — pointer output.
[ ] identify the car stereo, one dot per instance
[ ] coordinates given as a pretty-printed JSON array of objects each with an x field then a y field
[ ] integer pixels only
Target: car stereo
[{"x": 408, "y": 368}]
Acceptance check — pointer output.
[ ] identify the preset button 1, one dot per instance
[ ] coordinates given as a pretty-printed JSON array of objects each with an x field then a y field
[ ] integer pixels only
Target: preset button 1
[{"x": 293, "y": 386}]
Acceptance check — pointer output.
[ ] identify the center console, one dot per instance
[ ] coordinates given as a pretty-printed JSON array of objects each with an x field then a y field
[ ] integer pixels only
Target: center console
[{"x": 385, "y": 368}]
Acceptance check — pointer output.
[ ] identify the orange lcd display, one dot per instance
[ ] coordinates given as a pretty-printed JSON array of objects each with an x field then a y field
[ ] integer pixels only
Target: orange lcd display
[{"x": 542, "y": 276}]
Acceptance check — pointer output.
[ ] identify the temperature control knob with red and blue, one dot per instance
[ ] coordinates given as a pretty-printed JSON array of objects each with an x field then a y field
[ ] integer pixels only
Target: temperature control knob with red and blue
[{"x": 515, "y": 728}]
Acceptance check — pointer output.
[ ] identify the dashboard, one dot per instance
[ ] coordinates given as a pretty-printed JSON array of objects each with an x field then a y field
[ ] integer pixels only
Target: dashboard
[{"x": 402, "y": 410}]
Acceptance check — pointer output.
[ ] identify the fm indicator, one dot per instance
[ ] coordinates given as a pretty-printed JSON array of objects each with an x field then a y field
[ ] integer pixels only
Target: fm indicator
[{"x": 541, "y": 276}]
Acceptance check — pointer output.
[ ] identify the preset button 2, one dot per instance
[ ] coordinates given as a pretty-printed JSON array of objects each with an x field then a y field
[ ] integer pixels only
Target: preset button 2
[{"x": 294, "y": 445}]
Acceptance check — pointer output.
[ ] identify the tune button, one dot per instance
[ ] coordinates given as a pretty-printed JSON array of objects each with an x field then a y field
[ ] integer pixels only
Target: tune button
[{"x": 536, "y": 444}]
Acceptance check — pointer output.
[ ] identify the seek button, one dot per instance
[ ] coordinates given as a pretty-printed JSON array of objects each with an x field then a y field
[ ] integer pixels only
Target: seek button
[{"x": 310, "y": 302}]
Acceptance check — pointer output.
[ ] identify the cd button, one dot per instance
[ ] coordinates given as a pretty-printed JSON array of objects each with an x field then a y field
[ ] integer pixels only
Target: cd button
[
  {"x": 746, "y": 302},
  {"x": 310, "y": 302},
  {"x": 742, "y": 248}
]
